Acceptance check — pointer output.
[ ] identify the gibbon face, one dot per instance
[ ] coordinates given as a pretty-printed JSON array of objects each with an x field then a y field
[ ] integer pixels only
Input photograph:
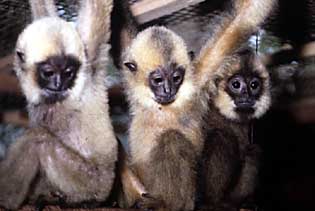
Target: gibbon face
[
  {"x": 243, "y": 90},
  {"x": 56, "y": 75},
  {"x": 165, "y": 82},
  {"x": 48, "y": 61},
  {"x": 156, "y": 65}
]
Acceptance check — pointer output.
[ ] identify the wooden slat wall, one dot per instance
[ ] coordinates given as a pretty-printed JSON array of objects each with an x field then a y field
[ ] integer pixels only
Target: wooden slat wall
[{"x": 148, "y": 10}]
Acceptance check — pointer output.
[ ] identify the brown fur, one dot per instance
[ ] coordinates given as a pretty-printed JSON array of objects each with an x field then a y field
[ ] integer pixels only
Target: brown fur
[
  {"x": 170, "y": 171},
  {"x": 230, "y": 163},
  {"x": 69, "y": 152}
]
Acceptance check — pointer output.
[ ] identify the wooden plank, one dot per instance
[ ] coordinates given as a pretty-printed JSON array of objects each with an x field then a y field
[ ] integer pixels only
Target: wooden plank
[{"x": 148, "y": 10}]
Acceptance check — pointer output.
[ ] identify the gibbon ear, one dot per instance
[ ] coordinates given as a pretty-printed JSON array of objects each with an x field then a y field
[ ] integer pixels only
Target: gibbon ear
[
  {"x": 191, "y": 55},
  {"x": 216, "y": 81},
  {"x": 131, "y": 66},
  {"x": 21, "y": 56}
]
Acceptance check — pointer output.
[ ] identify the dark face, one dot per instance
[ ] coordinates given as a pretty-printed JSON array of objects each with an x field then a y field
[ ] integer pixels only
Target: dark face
[
  {"x": 244, "y": 90},
  {"x": 56, "y": 75},
  {"x": 165, "y": 82}
]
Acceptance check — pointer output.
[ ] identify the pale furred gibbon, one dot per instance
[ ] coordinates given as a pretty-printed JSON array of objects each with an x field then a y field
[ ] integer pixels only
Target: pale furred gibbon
[{"x": 69, "y": 152}]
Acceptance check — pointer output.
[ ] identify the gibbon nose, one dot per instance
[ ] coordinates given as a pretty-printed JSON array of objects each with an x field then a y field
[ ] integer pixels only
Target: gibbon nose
[
  {"x": 57, "y": 82},
  {"x": 244, "y": 91},
  {"x": 167, "y": 87}
]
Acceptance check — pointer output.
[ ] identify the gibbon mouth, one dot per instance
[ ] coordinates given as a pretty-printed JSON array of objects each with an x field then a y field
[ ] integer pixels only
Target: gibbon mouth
[
  {"x": 53, "y": 96},
  {"x": 49, "y": 92},
  {"x": 54, "y": 91},
  {"x": 245, "y": 106},
  {"x": 164, "y": 100}
]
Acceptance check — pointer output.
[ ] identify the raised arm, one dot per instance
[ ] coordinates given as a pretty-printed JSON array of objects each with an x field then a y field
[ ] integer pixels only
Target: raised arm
[
  {"x": 230, "y": 34},
  {"x": 94, "y": 25},
  {"x": 43, "y": 8}
]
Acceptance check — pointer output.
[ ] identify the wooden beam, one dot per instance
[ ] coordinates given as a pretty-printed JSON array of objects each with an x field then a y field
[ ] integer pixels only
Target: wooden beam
[{"x": 148, "y": 10}]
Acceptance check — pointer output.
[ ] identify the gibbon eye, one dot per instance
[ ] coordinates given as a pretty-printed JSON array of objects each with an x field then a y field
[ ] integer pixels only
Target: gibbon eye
[
  {"x": 48, "y": 74},
  {"x": 69, "y": 72},
  {"x": 178, "y": 75},
  {"x": 157, "y": 80},
  {"x": 46, "y": 71},
  {"x": 254, "y": 84},
  {"x": 131, "y": 66},
  {"x": 177, "y": 78},
  {"x": 236, "y": 84},
  {"x": 21, "y": 56},
  {"x": 191, "y": 55}
]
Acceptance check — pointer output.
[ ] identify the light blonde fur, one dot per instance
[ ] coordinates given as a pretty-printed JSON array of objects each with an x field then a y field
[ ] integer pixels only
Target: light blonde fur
[
  {"x": 49, "y": 37},
  {"x": 148, "y": 57},
  {"x": 43, "y": 8},
  {"x": 94, "y": 22}
]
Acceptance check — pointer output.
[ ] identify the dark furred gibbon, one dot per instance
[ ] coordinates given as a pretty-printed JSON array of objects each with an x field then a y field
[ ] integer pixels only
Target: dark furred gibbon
[
  {"x": 69, "y": 152},
  {"x": 230, "y": 162},
  {"x": 168, "y": 96}
]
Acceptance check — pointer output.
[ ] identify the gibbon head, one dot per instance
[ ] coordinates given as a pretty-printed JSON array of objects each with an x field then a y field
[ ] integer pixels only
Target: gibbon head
[
  {"x": 157, "y": 69},
  {"x": 49, "y": 60},
  {"x": 243, "y": 91}
]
